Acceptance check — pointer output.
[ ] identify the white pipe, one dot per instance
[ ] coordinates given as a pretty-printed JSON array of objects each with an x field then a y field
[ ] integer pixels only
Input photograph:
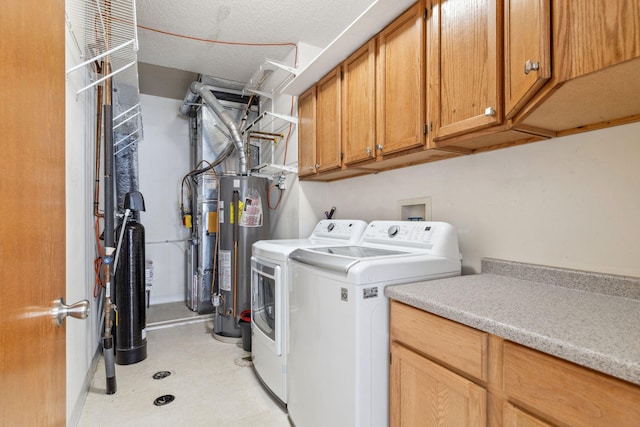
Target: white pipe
[{"x": 122, "y": 227}]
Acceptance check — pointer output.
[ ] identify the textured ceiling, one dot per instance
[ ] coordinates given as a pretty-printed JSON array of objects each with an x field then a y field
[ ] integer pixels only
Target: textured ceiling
[{"x": 252, "y": 21}]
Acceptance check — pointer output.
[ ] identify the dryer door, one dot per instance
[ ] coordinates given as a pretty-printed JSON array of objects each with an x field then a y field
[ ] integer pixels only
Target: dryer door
[{"x": 266, "y": 301}]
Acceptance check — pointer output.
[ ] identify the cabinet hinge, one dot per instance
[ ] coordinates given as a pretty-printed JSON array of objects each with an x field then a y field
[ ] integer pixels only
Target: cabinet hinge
[
  {"x": 341, "y": 75},
  {"x": 430, "y": 126},
  {"x": 426, "y": 14},
  {"x": 424, "y": 128},
  {"x": 341, "y": 155},
  {"x": 390, "y": 358}
]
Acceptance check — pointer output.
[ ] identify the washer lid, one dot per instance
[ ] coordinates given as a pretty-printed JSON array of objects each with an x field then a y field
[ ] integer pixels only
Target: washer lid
[
  {"x": 340, "y": 258},
  {"x": 356, "y": 251}
]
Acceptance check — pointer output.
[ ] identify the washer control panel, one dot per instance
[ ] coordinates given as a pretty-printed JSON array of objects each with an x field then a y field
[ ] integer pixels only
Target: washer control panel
[{"x": 408, "y": 233}]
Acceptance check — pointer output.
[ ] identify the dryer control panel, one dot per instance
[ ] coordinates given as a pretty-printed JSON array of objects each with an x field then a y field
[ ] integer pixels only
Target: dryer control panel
[{"x": 347, "y": 229}]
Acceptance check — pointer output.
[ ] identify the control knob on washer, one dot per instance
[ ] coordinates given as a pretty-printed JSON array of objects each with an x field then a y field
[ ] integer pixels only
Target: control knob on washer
[{"x": 393, "y": 231}]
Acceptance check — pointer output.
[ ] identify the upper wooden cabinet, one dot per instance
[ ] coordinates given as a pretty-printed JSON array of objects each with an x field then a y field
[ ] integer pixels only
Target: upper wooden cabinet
[
  {"x": 307, "y": 133},
  {"x": 465, "y": 69},
  {"x": 595, "y": 61},
  {"x": 359, "y": 105},
  {"x": 328, "y": 122},
  {"x": 527, "y": 54},
  {"x": 473, "y": 75},
  {"x": 319, "y": 131},
  {"x": 401, "y": 83}
]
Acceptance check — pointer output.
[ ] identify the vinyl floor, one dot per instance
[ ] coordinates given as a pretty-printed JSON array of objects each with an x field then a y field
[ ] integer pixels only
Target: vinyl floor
[{"x": 212, "y": 382}]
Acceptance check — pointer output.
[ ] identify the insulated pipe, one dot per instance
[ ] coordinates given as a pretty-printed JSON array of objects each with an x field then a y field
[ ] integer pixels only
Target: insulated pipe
[
  {"x": 212, "y": 102},
  {"x": 108, "y": 177},
  {"x": 96, "y": 185},
  {"x": 109, "y": 219}
]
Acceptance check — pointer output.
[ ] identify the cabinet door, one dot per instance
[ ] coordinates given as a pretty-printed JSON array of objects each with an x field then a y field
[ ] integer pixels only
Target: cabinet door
[
  {"x": 514, "y": 417},
  {"x": 527, "y": 51},
  {"x": 401, "y": 94},
  {"x": 465, "y": 66},
  {"x": 423, "y": 393},
  {"x": 358, "y": 106},
  {"x": 328, "y": 122},
  {"x": 307, "y": 133}
]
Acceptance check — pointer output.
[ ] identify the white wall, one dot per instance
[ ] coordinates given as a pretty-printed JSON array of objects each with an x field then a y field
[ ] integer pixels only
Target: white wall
[
  {"x": 570, "y": 202},
  {"x": 284, "y": 219},
  {"x": 82, "y": 335},
  {"x": 163, "y": 159}
]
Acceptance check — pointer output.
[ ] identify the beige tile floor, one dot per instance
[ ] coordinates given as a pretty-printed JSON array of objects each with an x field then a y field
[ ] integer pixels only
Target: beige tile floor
[{"x": 211, "y": 382}]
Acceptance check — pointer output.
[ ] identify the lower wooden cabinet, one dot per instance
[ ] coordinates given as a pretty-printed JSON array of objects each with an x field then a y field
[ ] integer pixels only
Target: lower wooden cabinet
[
  {"x": 515, "y": 417},
  {"x": 424, "y": 393},
  {"x": 489, "y": 381}
]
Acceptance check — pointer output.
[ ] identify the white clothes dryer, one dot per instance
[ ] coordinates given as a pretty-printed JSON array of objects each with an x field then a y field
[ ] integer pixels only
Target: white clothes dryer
[
  {"x": 339, "y": 318},
  {"x": 270, "y": 287}
]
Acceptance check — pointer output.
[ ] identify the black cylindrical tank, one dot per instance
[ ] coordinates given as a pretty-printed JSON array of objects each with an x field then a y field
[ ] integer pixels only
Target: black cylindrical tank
[{"x": 131, "y": 334}]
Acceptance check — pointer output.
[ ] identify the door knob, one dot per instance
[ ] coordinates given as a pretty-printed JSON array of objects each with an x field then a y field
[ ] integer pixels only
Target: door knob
[
  {"x": 531, "y": 66},
  {"x": 60, "y": 310}
]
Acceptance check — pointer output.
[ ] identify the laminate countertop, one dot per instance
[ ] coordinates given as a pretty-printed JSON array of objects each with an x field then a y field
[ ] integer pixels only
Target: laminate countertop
[{"x": 591, "y": 319}]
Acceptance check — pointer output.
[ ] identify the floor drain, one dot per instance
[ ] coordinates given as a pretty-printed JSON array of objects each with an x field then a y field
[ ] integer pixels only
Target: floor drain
[
  {"x": 161, "y": 375},
  {"x": 164, "y": 400}
]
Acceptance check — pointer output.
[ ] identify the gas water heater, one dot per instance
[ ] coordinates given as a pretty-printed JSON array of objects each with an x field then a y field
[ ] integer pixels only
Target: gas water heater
[{"x": 243, "y": 215}]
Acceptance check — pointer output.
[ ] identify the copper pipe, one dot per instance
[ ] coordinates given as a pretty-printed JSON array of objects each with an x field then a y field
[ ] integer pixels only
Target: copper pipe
[{"x": 255, "y": 132}]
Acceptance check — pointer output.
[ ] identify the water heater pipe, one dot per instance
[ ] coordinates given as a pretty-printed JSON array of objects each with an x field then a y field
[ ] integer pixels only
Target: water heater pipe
[{"x": 212, "y": 102}]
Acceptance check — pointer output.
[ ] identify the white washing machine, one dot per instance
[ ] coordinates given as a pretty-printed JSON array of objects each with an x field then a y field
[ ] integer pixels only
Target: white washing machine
[
  {"x": 339, "y": 318},
  {"x": 270, "y": 286}
]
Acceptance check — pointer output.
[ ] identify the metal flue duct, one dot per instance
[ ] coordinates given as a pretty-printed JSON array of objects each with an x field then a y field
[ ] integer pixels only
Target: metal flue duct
[{"x": 198, "y": 89}]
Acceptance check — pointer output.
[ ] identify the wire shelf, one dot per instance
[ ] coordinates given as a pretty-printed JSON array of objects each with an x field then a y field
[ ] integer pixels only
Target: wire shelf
[
  {"x": 105, "y": 32},
  {"x": 269, "y": 78}
]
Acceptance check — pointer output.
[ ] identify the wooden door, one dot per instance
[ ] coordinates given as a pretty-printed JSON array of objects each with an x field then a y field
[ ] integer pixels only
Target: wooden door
[
  {"x": 358, "y": 105},
  {"x": 307, "y": 133},
  {"x": 32, "y": 212},
  {"x": 423, "y": 393},
  {"x": 527, "y": 52},
  {"x": 400, "y": 88},
  {"x": 328, "y": 122},
  {"x": 465, "y": 67}
]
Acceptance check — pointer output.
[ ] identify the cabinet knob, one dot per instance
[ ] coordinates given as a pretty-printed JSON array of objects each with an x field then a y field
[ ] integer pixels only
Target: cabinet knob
[
  {"x": 531, "y": 66},
  {"x": 310, "y": 168},
  {"x": 317, "y": 165},
  {"x": 368, "y": 150},
  {"x": 379, "y": 147},
  {"x": 490, "y": 111}
]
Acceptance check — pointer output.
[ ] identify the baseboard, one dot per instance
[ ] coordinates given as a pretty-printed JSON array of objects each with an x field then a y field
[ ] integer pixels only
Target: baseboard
[{"x": 74, "y": 418}]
